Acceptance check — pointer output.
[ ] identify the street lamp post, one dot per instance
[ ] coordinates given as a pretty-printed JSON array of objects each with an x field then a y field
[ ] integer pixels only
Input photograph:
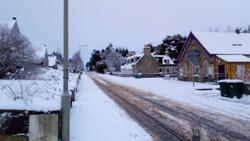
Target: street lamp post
[
  {"x": 80, "y": 46},
  {"x": 65, "y": 97}
]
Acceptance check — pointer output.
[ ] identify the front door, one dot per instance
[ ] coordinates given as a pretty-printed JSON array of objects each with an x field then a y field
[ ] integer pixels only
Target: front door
[
  {"x": 139, "y": 68},
  {"x": 221, "y": 72}
]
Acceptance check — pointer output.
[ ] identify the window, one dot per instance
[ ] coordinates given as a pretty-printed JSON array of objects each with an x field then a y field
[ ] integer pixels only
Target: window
[
  {"x": 193, "y": 56},
  {"x": 185, "y": 70},
  {"x": 240, "y": 71},
  {"x": 211, "y": 70},
  {"x": 139, "y": 69},
  {"x": 196, "y": 70},
  {"x": 160, "y": 60},
  {"x": 181, "y": 72},
  {"x": 208, "y": 69},
  {"x": 168, "y": 71},
  {"x": 166, "y": 61}
]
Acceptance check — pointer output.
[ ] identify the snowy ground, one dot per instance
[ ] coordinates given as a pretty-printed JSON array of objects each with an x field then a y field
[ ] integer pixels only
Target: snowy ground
[
  {"x": 95, "y": 117},
  {"x": 185, "y": 93},
  {"x": 41, "y": 94}
]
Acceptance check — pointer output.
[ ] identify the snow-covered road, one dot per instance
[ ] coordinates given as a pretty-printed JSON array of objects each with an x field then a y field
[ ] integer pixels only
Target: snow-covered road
[
  {"x": 183, "y": 92},
  {"x": 95, "y": 117}
]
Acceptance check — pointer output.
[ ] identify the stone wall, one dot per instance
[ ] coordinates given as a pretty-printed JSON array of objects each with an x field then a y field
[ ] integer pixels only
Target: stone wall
[
  {"x": 43, "y": 127},
  {"x": 20, "y": 125}
]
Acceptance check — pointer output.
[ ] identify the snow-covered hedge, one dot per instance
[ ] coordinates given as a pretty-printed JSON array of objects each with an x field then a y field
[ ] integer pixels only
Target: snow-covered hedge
[{"x": 44, "y": 93}]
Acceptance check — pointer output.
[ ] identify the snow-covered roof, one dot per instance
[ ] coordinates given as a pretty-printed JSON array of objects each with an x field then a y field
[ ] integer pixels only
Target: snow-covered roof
[
  {"x": 134, "y": 56},
  {"x": 169, "y": 59},
  {"x": 127, "y": 66},
  {"x": 9, "y": 24},
  {"x": 224, "y": 43},
  {"x": 52, "y": 61},
  {"x": 164, "y": 57},
  {"x": 40, "y": 52},
  {"x": 159, "y": 56},
  {"x": 234, "y": 58},
  {"x": 230, "y": 81}
]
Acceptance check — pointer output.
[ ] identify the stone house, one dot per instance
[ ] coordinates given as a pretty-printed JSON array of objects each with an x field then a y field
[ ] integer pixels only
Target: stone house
[
  {"x": 166, "y": 64},
  {"x": 148, "y": 63},
  {"x": 215, "y": 56}
]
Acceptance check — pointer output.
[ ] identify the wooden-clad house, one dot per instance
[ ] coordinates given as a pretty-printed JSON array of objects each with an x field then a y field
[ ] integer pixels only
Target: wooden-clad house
[{"x": 214, "y": 56}]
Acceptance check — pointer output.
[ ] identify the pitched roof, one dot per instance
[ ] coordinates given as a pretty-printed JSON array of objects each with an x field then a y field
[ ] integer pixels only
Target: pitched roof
[
  {"x": 234, "y": 58},
  {"x": 134, "y": 56},
  {"x": 224, "y": 43},
  {"x": 9, "y": 24}
]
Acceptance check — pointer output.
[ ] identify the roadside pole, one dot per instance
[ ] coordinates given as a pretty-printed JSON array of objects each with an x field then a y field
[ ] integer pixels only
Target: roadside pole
[
  {"x": 193, "y": 75},
  {"x": 65, "y": 97}
]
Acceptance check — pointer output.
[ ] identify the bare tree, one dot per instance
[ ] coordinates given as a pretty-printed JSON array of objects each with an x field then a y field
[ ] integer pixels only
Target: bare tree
[
  {"x": 114, "y": 61},
  {"x": 15, "y": 52},
  {"x": 76, "y": 62},
  {"x": 230, "y": 29}
]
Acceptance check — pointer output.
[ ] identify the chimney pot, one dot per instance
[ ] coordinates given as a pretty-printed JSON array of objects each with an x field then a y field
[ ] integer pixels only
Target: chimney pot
[
  {"x": 147, "y": 49},
  {"x": 13, "y": 18}
]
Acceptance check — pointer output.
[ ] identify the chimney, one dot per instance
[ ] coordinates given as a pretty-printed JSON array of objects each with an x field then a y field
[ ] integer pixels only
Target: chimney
[
  {"x": 14, "y": 18},
  {"x": 147, "y": 49},
  {"x": 167, "y": 52}
]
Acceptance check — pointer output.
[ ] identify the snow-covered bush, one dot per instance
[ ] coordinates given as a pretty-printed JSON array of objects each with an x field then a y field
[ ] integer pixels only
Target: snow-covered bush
[{"x": 26, "y": 90}]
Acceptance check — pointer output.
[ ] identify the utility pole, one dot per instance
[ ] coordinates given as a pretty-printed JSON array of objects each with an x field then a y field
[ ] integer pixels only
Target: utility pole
[{"x": 65, "y": 97}]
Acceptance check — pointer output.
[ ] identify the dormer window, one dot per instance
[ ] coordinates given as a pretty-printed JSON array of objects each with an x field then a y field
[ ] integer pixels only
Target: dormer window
[{"x": 166, "y": 61}]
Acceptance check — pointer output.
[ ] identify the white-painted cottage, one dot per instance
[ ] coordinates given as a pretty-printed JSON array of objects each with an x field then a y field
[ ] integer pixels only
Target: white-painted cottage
[
  {"x": 42, "y": 55},
  {"x": 52, "y": 62}
]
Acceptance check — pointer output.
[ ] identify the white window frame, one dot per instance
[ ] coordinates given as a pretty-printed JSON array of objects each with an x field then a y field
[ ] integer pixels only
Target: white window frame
[{"x": 240, "y": 70}]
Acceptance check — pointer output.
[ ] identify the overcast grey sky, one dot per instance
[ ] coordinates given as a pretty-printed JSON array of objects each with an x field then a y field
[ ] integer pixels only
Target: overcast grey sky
[{"x": 125, "y": 23}]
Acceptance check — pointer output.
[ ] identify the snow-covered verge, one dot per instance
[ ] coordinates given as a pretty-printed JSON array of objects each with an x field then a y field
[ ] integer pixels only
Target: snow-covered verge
[
  {"x": 95, "y": 117},
  {"x": 41, "y": 94},
  {"x": 185, "y": 93}
]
